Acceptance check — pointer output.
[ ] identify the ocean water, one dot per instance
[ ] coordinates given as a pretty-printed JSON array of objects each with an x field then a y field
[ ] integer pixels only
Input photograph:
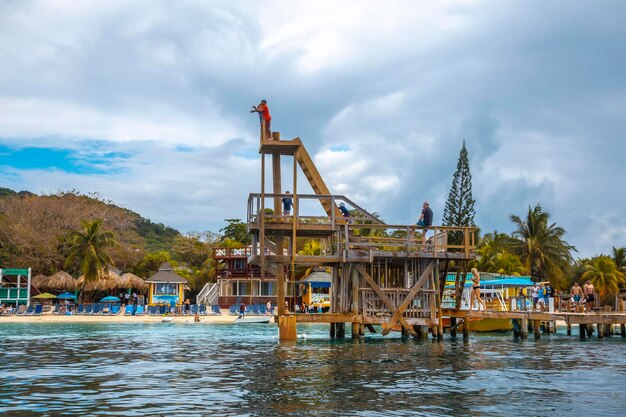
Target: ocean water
[{"x": 186, "y": 369}]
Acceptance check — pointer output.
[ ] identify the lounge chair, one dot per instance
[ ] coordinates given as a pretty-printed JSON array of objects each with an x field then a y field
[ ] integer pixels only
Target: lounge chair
[
  {"x": 216, "y": 310},
  {"x": 202, "y": 310},
  {"x": 139, "y": 311},
  {"x": 249, "y": 311},
  {"x": 38, "y": 310},
  {"x": 263, "y": 309},
  {"x": 96, "y": 310},
  {"x": 30, "y": 311},
  {"x": 194, "y": 309},
  {"x": 20, "y": 310},
  {"x": 88, "y": 310},
  {"x": 234, "y": 310},
  {"x": 115, "y": 309},
  {"x": 256, "y": 309},
  {"x": 55, "y": 310},
  {"x": 152, "y": 310},
  {"x": 128, "y": 311},
  {"x": 80, "y": 309}
]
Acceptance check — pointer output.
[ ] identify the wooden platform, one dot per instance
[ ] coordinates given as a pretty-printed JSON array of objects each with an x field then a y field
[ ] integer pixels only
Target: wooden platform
[{"x": 282, "y": 147}]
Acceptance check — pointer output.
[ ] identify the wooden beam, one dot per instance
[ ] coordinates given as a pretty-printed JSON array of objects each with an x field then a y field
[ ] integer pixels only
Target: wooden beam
[
  {"x": 370, "y": 281},
  {"x": 398, "y": 313}
]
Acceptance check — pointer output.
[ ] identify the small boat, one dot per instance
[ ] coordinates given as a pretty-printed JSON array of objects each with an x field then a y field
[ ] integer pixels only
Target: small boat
[
  {"x": 246, "y": 320},
  {"x": 167, "y": 319}
]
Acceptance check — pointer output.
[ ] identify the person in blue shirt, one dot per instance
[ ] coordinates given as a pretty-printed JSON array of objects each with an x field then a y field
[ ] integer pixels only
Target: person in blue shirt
[
  {"x": 287, "y": 204},
  {"x": 345, "y": 212}
]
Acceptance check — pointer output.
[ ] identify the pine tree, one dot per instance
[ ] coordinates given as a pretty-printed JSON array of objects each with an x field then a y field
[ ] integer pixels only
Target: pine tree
[{"x": 459, "y": 209}]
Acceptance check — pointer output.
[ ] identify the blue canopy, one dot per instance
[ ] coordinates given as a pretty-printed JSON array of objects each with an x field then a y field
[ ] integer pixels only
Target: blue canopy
[
  {"x": 66, "y": 296},
  {"x": 110, "y": 299},
  {"x": 506, "y": 282}
]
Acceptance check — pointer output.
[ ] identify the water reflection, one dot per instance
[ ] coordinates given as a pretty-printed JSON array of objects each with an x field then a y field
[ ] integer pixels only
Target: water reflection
[{"x": 180, "y": 369}]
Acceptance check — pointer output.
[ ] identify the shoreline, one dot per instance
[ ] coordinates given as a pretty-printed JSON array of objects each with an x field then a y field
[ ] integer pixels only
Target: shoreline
[{"x": 49, "y": 318}]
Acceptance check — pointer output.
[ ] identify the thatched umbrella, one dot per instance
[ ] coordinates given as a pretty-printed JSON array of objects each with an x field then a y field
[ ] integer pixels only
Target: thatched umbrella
[
  {"x": 39, "y": 281},
  {"x": 61, "y": 281},
  {"x": 130, "y": 280},
  {"x": 106, "y": 281}
]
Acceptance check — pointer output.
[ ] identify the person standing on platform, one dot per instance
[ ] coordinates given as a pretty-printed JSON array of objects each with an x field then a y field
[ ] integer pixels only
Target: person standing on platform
[
  {"x": 590, "y": 295},
  {"x": 535, "y": 294},
  {"x": 287, "y": 204},
  {"x": 576, "y": 292},
  {"x": 475, "y": 290},
  {"x": 266, "y": 118},
  {"x": 425, "y": 220}
]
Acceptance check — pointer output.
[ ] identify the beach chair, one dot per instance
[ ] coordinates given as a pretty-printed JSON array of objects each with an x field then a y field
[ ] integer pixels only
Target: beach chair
[
  {"x": 249, "y": 310},
  {"x": 139, "y": 311},
  {"x": 55, "y": 310},
  {"x": 30, "y": 311},
  {"x": 234, "y": 310},
  {"x": 80, "y": 309},
  {"x": 162, "y": 309},
  {"x": 194, "y": 309},
  {"x": 263, "y": 309},
  {"x": 128, "y": 311},
  {"x": 256, "y": 309},
  {"x": 152, "y": 310},
  {"x": 38, "y": 310},
  {"x": 97, "y": 309},
  {"x": 202, "y": 310},
  {"x": 20, "y": 310},
  {"x": 115, "y": 309},
  {"x": 88, "y": 309},
  {"x": 216, "y": 310}
]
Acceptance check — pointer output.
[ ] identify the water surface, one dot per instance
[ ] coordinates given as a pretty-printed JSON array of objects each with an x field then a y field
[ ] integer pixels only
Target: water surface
[{"x": 171, "y": 369}]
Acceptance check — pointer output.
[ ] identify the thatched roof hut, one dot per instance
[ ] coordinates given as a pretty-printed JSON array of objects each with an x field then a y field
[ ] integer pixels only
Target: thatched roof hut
[
  {"x": 106, "y": 281},
  {"x": 61, "y": 281},
  {"x": 130, "y": 280},
  {"x": 39, "y": 281}
]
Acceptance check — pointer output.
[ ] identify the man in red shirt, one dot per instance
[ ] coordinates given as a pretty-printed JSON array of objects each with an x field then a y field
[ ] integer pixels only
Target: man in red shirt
[{"x": 266, "y": 118}]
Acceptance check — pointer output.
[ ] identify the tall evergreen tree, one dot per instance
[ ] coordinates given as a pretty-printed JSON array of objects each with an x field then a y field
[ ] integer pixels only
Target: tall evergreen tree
[{"x": 459, "y": 209}]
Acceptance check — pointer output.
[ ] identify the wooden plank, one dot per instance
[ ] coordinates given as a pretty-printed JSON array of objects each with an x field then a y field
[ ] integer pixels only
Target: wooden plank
[
  {"x": 398, "y": 313},
  {"x": 330, "y": 318},
  {"x": 370, "y": 281}
]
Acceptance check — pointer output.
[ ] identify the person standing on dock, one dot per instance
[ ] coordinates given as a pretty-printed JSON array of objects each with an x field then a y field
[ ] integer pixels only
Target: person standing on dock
[
  {"x": 590, "y": 295},
  {"x": 287, "y": 204},
  {"x": 266, "y": 118},
  {"x": 425, "y": 220},
  {"x": 475, "y": 291},
  {"x": 534, "y": 291},
  {"x": 576, "y": 292},
  {"x": 242, "y": 310}
]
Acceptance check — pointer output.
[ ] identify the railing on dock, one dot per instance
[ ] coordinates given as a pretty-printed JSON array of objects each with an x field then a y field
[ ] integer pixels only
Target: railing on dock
[{"x": 422, "y": 306}]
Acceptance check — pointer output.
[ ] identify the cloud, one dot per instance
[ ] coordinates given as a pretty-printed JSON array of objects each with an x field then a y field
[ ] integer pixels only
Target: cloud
[{"x": 381, "y": 94}]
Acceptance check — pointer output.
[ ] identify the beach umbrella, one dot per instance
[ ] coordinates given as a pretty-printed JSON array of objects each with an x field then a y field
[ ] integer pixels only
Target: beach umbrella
[
  {"x": 66, "y": 296},
  {"x": 61, "y": 281},
  {"x": 132, "y": 281},
  {"x": 45, "y": 296},
  {"x": 110, "y": 299}
]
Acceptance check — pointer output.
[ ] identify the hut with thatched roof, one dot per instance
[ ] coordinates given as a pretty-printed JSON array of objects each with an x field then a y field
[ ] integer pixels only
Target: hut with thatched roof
[
  {"x": 61, "y": 281},
  {"x": 166, "y": 286},
  {"x": 130, "y": 280},
  {"x": 106, "y": 281}
]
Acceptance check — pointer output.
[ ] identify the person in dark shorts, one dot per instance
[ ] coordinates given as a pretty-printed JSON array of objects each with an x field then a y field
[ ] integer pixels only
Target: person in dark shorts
[
  {"x": 266, "y": 118},
  {"x": 345, "y": 212},
  {"x": 242, "y": 310},
  {"x": 425, "y": 220},
  {"x": 287, "y": 204},
  {"x": 590, "y": 295}
]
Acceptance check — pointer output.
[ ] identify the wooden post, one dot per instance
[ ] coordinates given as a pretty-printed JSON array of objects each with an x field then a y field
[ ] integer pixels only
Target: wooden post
[
  {"x": 361, "y": 330},
  {"x": 537, "y": 329},
  {"x": 583, "y": 331},
  {"x": 466, "y": 328},
  {"x": 332, "y": 330},
  {"x": 600, "y": 328},
  {"x": 608, "y": 330},
  {"x": 569, "y": 328},
  {"x": 287, "y": 327},
  {"x": 355, "y": 330},
  {"x": 418, "y": 331},
  {"x": 405, "y": 333},
  {"x": 277, "y": 186},
  {"x": 452, "y": 326},
  {"x": 261, "y": 214},
  {"x": 623, "y": 329},
  {"x": 340, "y": 330},
  {"x": 589, "y": 330},
  {"x": 280, "y": 288},
  {"x": 523, "y": 330}
]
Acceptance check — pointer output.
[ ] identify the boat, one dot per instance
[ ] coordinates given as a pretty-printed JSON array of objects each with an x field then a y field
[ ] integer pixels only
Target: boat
[
  {"x": 496, "y": 291},
  {"x": 167, "y": 319},
  {"x": 255, "y": 320}
]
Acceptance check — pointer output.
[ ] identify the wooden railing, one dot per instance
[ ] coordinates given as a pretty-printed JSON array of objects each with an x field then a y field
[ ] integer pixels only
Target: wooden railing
[
  {"x": 219, "y": 253},
  {"x": 422, "y": 306}
]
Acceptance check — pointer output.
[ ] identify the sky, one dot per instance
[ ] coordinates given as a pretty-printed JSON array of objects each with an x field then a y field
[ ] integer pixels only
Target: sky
[{"x": 147, "y": 104}]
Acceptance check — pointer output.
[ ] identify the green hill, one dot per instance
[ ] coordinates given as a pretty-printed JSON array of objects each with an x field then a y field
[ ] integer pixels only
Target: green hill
[{"x": 32, "y": 228}]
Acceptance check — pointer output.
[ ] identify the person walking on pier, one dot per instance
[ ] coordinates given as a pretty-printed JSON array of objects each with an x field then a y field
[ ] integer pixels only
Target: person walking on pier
[
  {"x": 266, "y": 118},
  {"x": 590, "y": 295},
  {"x": 287, "y": 204},
  {"x": 534, "y": 291},
  {"x": 475, "y": 291}
]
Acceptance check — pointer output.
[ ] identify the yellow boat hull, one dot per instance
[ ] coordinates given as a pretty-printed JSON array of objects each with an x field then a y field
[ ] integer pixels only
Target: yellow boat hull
[{"x": 491, "y": 325}]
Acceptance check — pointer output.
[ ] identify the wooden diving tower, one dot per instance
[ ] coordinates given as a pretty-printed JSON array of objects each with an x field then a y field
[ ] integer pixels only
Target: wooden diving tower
[{"x": 380, "y": 274}]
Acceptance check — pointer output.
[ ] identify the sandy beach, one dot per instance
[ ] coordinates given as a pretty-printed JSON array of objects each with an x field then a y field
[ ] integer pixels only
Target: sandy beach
[{"x": 49, "y": 318}]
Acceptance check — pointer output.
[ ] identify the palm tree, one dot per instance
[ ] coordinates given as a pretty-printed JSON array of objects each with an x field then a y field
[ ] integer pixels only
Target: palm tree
[
  {"x": 619, "y": 257},
  {"x": 604, "y": 275},
  {"x": 541, "y": 246},
  {"x": 88, "y": 250}
]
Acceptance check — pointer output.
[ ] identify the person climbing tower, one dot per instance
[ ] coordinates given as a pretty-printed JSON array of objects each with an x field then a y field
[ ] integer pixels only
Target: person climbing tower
[{"x": 264, "y": 117}]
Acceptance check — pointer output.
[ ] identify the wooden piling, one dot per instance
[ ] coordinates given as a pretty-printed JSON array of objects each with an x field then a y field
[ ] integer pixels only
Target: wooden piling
[
  {"x": 287, "y": 327},
  {"x": 623, "y": 329},
  {"x": 537, "y": 329},
  {"x": 355, "y": 330},
  {"x": 362, "y": 330},
  {"x": 332, "y": 330},
  {"x": 600, "y": 329},
  {"x": 582, "y": 331},
  {"x": 569, "y": 328},
  {"x": 340, "y": 330},
  {"x": 465, "y": 328},
  {"x": 452, "y": 326},
  {"x": 608, "y": 330},
  {"x": 589, "y": 329},
  {"x": 523, "y": 329}
]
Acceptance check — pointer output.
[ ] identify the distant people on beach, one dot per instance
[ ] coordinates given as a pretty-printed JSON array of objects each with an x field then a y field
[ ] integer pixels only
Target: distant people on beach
[
  {"x": 264, "y": 117},
  {"x": 475, "y": 291},
  {"x": 268, "y": 307},
  {"x": 196, "y": 318},
  {"x": 287, "y": 204},
  {"x": 242, "y": 310},
  {"x": 590, "y": 295},
  {"x": 187, "y": 306},
  {"x": 345, "y": 212}
]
